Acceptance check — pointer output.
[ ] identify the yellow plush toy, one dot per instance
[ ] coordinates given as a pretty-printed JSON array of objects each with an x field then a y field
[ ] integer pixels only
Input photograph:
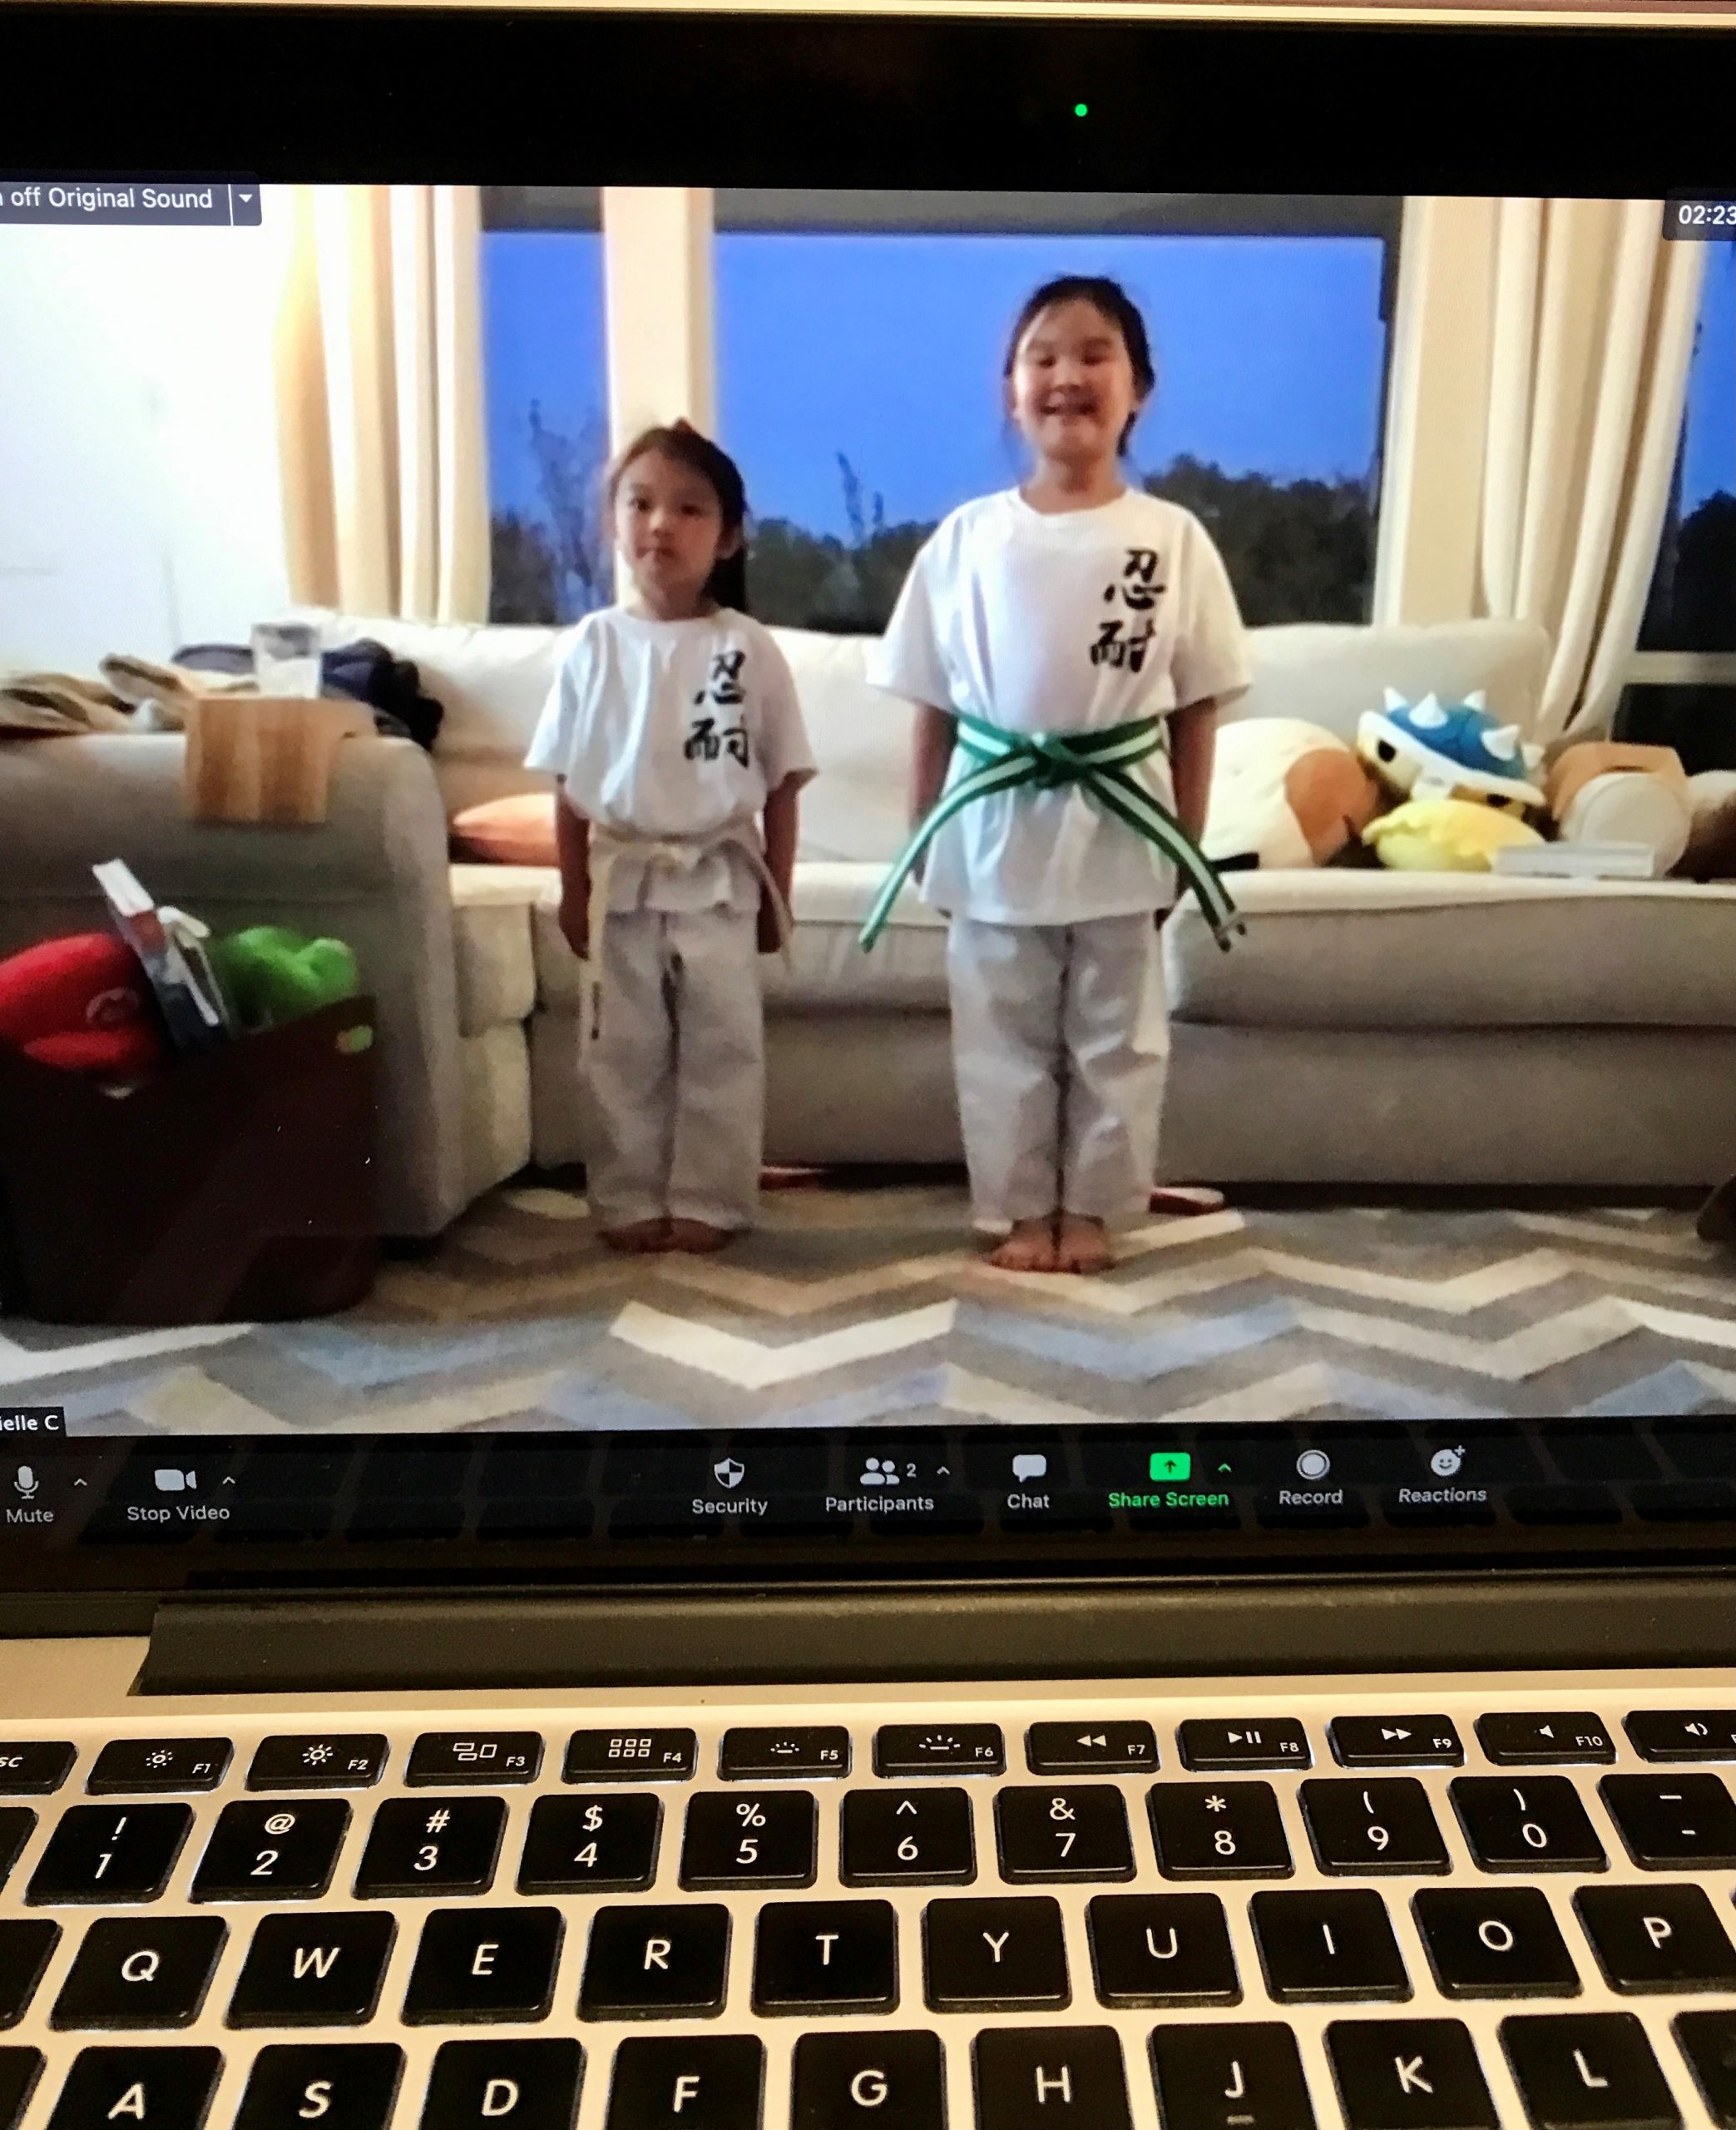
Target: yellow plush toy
[{"x": 1444, "y": 835}]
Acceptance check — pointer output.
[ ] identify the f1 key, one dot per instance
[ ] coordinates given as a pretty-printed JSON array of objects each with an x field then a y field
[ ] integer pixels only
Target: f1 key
[
  {"x": 1091, "y": 1748},
  {"x": 135, "y": 1765},
  {"x": 1223, "y": 1748}
]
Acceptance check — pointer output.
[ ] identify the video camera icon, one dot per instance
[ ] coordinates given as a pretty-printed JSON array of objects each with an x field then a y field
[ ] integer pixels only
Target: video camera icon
[{"x": 171, "y": 1480}]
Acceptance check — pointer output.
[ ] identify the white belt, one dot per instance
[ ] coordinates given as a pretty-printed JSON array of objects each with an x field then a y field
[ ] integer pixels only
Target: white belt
[{"x": 679, "y": 854}]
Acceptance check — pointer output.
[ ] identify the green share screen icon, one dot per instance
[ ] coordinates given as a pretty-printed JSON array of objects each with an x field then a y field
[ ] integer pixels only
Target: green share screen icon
[{"x": 1171, "y": 1464}]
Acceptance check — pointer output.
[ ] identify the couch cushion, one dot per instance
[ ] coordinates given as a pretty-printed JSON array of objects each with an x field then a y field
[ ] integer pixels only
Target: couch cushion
[
  {"x": 1369, "y": 949},
  {"x": 492, "y": 944},
  {"x": 1329, "y": 674},
  {"x": 908, "y": 967}
]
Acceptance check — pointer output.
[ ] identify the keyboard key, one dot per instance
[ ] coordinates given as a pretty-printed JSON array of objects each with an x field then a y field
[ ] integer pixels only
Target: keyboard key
[
  {"x": 860, "y": 2081},
  {"x": 489, "y": 1757},
  {"x": 19, "y": 2070},
  {"x": 1323, "y": 1948},
  {"x": 141, "y": 1972},
  {"x": 1546, "y": 1741},
  {"x": 484, "y": 1964},
  {"x": 340, "y": 2086},
  {"x": 1383, "y": 1825},
  {"x": 1587, "y": 2071},
  {"x": 17, "y": 1823},
  {"x": 1394, "y": 1741},
  {"x": 759, "y": 1839},
  {"x": 826, "y": 1956},
  {"x": 137, "y": 1765},
  {"x": 432, "y": 1845},
  {"x": 1091, "y": 1748},
  {"x": 651, "y": 1963},
  {"x": 1538, "y": 1825},
  {"x": 1494, "y": 1942},
  {"x": 326, "y": 1759},
  {"x": 1708, "y": 2041},
  {"x": 153, "y": 2088},
  {"x": 754, "y": 1756},
  {"x": 1670, "y": 1822},
  {"x": 1682, "y": 1734},
  {"x": 1230, "y": 2078},
  {"x": 630, "y": 1756},
  {"x": 939, "y": 1749},
  {"x": 907, "y": 1837},
  {"x": 315, "y": 1970},
  {"x": 1408, "y": 2074},
  {"x": 1649, "y": 1938},
  {"x": 524, "y": 2085},
  {"x": 605, "y": 1843},
  {"x": 1210, "y": 1747},
  {"x": 273, "y": 1852},
  {"x": 1063, "y": 2078},
  {"x": 707, "y": 2082},
  {"x": 101, "y": 1852},
  {"x": 34, "y": 1768},
  {"x": 1218, "y": 1830},
  {"x": 995, "y": 1955},
  {"x": 25, "y": 1950},
  {"x": 1046, "y": 1835},
  {"x": 1161, "y": 1949}
]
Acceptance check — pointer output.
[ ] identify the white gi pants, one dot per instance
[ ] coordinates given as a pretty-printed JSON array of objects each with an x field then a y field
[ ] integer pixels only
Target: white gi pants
[
  {"x": 675, "y": 1072},
  {"x": 1059, "y": 1041}
]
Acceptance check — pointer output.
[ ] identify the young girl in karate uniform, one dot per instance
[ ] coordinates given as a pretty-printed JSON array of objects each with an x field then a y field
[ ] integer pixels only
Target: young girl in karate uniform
[
  {"x": 674, "y": 732},
  {"x": 1067, "y": 644}
]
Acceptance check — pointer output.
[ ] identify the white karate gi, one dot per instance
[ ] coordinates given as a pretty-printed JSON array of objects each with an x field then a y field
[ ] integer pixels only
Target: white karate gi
[
  {"x": 669, "y": 738},
  {"x": 1062, "y": 622}
]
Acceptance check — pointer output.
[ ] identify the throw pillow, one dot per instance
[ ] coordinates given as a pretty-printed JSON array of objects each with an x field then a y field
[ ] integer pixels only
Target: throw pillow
[{"x": 516, "y": 831}]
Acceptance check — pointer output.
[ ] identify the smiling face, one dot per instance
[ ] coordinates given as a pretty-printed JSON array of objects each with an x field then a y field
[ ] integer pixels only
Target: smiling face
[
  {"x": 669, "y": 523},
  {"x": 1072, "y": 389}
]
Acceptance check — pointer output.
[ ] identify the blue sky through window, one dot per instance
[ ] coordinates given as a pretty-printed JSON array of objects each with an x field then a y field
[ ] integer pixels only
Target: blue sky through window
[
  {"x": 1709, "y": 441},
  {"x": 543, "y": 342}
]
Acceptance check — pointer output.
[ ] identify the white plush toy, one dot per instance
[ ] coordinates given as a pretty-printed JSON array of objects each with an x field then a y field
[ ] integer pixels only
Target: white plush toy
[{"x": 1285, "y": 793}]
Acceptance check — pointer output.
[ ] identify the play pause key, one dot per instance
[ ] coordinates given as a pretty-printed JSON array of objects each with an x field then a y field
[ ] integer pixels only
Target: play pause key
[
  {"x": 1214, "y": 1747},
  {"x": 1091, "y": 1748}
]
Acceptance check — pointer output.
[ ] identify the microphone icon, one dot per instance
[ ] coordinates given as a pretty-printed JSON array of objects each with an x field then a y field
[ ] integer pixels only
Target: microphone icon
[{"x": 27, "y": 1482}]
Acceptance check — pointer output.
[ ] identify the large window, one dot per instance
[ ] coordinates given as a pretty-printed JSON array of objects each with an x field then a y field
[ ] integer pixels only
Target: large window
[
  {"x": 1693, "y": 603},
  {"x": 861, "y": 340},
  {"x": 545, "y": 375}
]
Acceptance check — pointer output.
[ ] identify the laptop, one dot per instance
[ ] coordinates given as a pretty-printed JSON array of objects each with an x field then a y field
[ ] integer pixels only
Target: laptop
[{"x": 454, "y": 1675}]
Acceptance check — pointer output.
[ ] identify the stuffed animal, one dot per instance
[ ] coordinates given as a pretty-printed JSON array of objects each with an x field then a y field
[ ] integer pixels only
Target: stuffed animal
[
  {"x": 1611, "y": 791},
  {"x": 84, "y": 1005},
  {"x": 1445, "y": 836},
  {"x": 1285, "y": 793},
  {"x": 1434, "y": 750},
  {"x": 1711, "y": 852},
  {"x": 271, "y": 974}
]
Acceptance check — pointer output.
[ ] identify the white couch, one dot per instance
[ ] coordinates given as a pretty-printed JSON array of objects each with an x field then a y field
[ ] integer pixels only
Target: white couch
[{"x": 1371, "y": 1027}]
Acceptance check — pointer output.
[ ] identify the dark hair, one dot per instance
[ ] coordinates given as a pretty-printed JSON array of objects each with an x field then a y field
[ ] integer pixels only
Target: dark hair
[
  {"x": 1117, "y": 306},
  {"x": 681, "y": 443}
]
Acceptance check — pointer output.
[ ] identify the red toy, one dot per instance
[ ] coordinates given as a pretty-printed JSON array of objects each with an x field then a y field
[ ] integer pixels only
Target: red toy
[{"x": 82, "y": 1004}]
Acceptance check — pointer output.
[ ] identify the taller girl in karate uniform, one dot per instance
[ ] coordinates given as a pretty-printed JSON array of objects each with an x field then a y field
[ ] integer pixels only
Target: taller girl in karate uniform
[
  {"x": 673, "y": 730},
  {"x": 1067, "y": 644}
]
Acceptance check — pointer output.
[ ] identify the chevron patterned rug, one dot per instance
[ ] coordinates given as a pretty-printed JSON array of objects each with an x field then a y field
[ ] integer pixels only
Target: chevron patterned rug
[{"x": 851, "y": 1305}]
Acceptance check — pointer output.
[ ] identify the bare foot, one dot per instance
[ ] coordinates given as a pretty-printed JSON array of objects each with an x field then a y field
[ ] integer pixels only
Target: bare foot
[
  {"x": 1081, "y": 1246},
  {"x": 639, "y": 1238},
  {"x": 1030, "y": 1248},
  {"x": 699, "y": 1238}
]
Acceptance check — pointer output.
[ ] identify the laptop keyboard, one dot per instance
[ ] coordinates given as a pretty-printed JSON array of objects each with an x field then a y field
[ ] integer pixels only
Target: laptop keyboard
[{"x": 1074, "y": 1917}]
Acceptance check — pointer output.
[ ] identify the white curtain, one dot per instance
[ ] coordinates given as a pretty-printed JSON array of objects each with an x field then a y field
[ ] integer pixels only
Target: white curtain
[
  {"x": 1593, "y": 330},
  {"x": 380, "y": 402}
]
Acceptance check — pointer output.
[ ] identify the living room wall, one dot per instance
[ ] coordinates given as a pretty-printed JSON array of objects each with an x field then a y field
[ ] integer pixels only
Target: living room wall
[{"x": 139, "y": 503}]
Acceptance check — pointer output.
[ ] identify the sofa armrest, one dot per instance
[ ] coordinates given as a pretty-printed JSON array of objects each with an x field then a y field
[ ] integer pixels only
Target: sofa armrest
[{"x": 374, "y": 874}]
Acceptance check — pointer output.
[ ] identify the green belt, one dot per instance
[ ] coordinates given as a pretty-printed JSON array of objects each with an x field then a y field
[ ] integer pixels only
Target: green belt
[{"x": 1099, "y": 763}]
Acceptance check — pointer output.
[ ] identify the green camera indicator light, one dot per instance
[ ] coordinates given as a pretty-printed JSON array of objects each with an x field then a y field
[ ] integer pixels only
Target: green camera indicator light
[
  {"x": 1171, "y": 1464},
  {"x": 1081, "y": 110}
]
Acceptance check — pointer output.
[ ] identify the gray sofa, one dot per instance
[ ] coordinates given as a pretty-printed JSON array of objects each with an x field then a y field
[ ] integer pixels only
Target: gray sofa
[{"x": 1371, "y": 1028}]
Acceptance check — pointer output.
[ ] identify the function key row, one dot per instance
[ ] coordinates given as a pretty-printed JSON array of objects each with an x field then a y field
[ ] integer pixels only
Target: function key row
[
  {"x": 1207, "y": 1745},
  {"x": 921, "y": 1835}
]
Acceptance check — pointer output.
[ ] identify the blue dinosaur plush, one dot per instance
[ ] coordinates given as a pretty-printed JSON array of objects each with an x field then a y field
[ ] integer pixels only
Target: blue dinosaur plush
[{"x": 1430, "y": 750}]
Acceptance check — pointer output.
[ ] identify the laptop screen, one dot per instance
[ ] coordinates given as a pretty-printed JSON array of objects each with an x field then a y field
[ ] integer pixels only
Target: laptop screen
[{"x": 755, "y": 811}]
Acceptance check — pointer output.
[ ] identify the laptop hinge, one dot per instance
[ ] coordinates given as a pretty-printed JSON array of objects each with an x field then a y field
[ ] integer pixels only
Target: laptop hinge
[{"x": 815, "y": 1633}]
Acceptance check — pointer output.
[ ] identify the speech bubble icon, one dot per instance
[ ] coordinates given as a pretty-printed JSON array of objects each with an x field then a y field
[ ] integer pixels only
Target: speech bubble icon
[{"x": 1030, "y": 1465}]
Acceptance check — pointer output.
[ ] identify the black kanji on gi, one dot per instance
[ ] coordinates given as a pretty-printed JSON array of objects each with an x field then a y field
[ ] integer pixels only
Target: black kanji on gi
[
  {"x": 1113, "y": 648},
  {"x": 706, "y": 741},
  {"x": 726, "y": 690}
]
